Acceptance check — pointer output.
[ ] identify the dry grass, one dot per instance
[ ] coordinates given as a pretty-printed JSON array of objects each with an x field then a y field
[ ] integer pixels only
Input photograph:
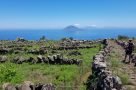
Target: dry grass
[{"x": 124, "y": 71}]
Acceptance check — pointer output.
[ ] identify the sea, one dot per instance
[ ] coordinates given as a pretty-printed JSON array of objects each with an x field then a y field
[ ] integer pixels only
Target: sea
[{"x": 57, "y": 34}]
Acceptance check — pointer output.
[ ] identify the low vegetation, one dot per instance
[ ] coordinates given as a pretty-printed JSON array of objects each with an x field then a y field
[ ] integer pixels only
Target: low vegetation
[
  {"x": 116, "y": 66},
  {"x": 60, "y": 75}
]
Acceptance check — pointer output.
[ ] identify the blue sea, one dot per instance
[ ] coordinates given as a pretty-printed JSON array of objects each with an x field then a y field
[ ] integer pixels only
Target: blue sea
[{"x": 56, "y": 34}]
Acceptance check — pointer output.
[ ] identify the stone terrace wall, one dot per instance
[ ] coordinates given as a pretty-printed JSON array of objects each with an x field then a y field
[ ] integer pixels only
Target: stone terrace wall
[
  {"x": 102, "y": 78},
  {"x": 27, "y": 85}
]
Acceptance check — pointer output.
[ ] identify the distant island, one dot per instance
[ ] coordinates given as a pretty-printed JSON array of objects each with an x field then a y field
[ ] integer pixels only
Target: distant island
[{"x": 72, "y": 28}]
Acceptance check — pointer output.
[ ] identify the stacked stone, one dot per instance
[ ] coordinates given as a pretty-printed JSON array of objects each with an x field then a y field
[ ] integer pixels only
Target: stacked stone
[
  {"x": 102, "y": 78},
  {"x": 134, "y": 59},
  {"x": 27, "y": 85},
  {"x": 8, "y": 47},
  {"x": 121, "y": 43},
  {"x": 54, "y": 59},
  {"x": 3, "y": 59},
  {"x": 72, "y": 47}
]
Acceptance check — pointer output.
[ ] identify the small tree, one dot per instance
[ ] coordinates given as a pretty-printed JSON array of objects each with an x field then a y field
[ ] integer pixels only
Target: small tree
[
  {"x": 120, "y": 37},
  {"x": 133, "y": 38},
  {"x": 71, "y": 38},
  {"x": 43, "y": 38},
  {"x": 63, "y": 39}
]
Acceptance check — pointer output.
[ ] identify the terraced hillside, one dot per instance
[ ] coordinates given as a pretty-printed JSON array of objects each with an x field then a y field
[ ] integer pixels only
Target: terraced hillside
[
  {"x": 16, "y": 67},
  {"x": 67, "y": 65}
]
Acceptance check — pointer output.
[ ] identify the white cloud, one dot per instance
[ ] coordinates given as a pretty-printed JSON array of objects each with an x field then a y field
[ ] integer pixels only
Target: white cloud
[
  {"x": 93, "y": 25},
  {"x": 76, "y": 24}
]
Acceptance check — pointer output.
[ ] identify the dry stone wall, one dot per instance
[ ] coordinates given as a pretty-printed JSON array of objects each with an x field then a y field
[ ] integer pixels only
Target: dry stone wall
[{"x": 102, "y": 78}]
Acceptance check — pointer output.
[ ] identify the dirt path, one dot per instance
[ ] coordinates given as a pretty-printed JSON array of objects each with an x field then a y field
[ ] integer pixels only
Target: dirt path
[
  {"x": 129, "y": 69},
  {"x": 79, "y": 85},
  {"x": 85, "y": 77}
]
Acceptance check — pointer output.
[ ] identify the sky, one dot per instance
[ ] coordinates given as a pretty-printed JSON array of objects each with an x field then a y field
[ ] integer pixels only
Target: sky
[{"x": 43, "y": 14}]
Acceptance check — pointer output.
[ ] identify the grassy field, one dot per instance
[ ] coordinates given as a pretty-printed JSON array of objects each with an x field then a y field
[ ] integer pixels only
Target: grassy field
[{"x": 66, "y": 75}]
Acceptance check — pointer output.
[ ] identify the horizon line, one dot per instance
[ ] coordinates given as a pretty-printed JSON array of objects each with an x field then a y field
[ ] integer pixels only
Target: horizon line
[{"x": 65, "y": 27}]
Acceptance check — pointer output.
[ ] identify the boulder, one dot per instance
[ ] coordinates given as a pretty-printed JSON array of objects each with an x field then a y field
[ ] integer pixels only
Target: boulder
[
  {"x": 40, "y": 59},
  {"x": 19, "y": 60},
  {"x": 46, "y": 60},
  {"x": 33, "y": 51},
  {"x": 38, "y": 86},
  {"x": 51, "y": 59},
  {"x": 65, "y": 60},
  {"x": 79, "y": 62},
  {"x": 27, "y": 85},
  {"x": 133, "y": 57},
  {"x": 48, "y": 87},
  {"x": 117, "y": 83},
  {"x": 74, "y": 53},
  {"x": 3, "y": 59},
  {"x": 31, "y": 60},
  {"x": 3, "y": 51},
  {"x": 8, "y": 86}
]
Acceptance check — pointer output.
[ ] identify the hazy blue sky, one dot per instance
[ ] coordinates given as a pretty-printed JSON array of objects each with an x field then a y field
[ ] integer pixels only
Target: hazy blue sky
[{"x": 60, "y": 13}]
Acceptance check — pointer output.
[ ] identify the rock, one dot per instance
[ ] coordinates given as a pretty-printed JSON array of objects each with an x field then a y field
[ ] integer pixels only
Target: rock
[
  {"x": 54, "y": 51},
  {"x": 8, "y": 86},
  {"x": 65, "y": 60},
  {"x": 3, "y": 51},
  {"x": 46, "y": 60},
  {"x": 3, "y": 59},
  {"x": 41, "y": 51},
  {"x": 40, "y": 59},
  {"x": 54, "y": 57},
  {"x": 117, "y": 83},
  {"x": 24, "y": 87},
  {"x": 27, "y": 85},
  {"x": 31, "y": 60},
  {"x": 38, "y": 86},
  {"x": 74, "y": 53},
  {"x": 79, "y": 62},
  {"x": 33, "y": 51},
  {"x": 58, "y": 59},
  {"x": 51, "y": 59},
  {"x": 133, "y": 58},
  {"x": 48, "y": 87},
  {"x": 19, "y": 60},
  {"x": 70, "y": 61}
]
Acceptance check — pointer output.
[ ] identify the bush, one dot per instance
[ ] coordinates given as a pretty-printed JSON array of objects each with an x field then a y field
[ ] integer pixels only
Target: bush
[
  {"x": 8, "y": 73},
  {"x": 43, "y": 38},
  {"x": 124, "y": 78},
  {"x": 120, "y": 37}
]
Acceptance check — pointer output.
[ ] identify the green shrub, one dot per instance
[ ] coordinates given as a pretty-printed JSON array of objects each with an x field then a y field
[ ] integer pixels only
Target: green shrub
[
  {"x": 124, "y": 78},
  {"x": 115, "y": 63},
  {"x": 8, "y": 73},
  {"x": 120, "y": 37}
]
